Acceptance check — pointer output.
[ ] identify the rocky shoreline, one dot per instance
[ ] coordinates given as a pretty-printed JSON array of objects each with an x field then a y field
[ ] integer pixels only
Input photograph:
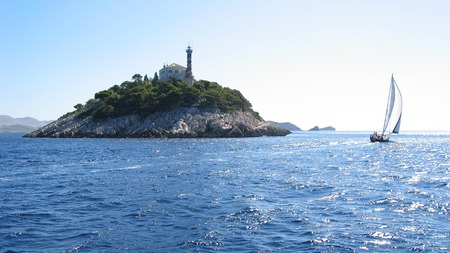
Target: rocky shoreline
[{"x": 188, "y": 122}]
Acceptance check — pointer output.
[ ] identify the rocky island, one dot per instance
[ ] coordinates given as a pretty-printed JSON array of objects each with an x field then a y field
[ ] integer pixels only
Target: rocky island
[
  {"x": 145, "y": 108},
  {"x": 287, "y": 125},
  {"x": 328, "y": 128}
]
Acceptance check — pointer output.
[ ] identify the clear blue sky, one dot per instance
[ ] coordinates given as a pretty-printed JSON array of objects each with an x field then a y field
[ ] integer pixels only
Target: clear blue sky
[{"x": 308, "y": 62}]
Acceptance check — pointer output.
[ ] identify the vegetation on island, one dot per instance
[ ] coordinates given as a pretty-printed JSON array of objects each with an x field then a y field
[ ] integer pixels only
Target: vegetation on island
[{"x": 144, "y": 96}]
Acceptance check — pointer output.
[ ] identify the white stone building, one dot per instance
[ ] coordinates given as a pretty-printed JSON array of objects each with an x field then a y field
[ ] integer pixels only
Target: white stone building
[{"x": 177, "y": 71}]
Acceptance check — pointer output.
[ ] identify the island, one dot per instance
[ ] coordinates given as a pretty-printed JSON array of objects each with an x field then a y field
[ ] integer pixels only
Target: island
[
  {"x": 170, "y": 105},
  {"x": 154, "y": 108},
  {"x": 328, "y": 128},
  {"x": 287, "y": 125}
]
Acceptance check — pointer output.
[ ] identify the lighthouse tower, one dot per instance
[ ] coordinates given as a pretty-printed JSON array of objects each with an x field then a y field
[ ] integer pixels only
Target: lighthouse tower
[{"x": 189, "y": 78}]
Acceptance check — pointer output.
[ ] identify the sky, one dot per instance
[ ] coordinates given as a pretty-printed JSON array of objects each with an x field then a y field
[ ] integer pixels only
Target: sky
[{"x": 309, "y": 62}]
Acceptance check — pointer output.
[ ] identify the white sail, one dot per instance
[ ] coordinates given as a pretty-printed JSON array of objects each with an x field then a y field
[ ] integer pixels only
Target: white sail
[{"x": 393, "y": 110}]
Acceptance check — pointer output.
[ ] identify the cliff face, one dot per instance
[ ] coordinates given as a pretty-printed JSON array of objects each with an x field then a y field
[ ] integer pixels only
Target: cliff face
[{"x": 179, "y": 123}]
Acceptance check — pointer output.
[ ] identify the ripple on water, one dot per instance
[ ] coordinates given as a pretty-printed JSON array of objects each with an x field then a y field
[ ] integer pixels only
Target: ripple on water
[{"x": 306, "y": 192}]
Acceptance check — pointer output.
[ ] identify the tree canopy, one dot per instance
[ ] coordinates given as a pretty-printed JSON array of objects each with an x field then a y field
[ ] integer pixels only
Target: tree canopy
[{"x": 148, "y": 96}]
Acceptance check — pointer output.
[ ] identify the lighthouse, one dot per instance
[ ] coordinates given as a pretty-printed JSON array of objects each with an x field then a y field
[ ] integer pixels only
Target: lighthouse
[
  {"x": 177, "y": 71},
  {"x": 189, "y": 78}
]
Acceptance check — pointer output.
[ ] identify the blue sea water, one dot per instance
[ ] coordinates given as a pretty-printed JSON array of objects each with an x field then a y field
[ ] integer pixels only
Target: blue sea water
[{"x": 306, "y": 192}]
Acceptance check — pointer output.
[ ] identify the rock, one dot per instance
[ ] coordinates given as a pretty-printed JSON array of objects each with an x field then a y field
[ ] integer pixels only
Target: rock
[{"x": 188, "y": 122}]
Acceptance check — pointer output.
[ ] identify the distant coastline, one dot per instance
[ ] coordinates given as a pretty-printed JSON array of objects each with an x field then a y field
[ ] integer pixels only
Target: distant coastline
[
  {"x": 9, "y": 124},
  {"x": 292, "y": 127}
]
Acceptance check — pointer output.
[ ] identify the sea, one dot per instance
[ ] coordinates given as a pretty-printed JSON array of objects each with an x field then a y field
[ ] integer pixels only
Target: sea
[{"x": 305, "y": 192}]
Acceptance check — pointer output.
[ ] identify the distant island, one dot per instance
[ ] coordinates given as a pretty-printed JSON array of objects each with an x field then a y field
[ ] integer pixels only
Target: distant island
[
  {"x": 9, "y": 124},
  {"x": 162, "y": 109},
  {"x": 287, "y": 125},
  {"x": 291, "y": 127},
  {"x": 329, "y": 128}
]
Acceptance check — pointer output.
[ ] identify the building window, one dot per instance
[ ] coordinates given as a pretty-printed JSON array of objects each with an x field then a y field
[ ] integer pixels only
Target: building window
[{"x": 170, "y": 71}]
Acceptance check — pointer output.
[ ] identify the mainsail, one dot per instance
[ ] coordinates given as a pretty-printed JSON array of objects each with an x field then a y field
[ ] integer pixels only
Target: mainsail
[{"x": 393, "y": 110}]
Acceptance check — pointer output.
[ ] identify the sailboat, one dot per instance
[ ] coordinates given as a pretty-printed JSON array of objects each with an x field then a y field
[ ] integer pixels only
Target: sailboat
[{"x": 393, "y": 114}]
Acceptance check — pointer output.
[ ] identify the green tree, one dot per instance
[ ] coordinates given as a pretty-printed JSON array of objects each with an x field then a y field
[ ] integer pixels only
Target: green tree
[
  {"x": 155, "y": 78},
  {"x": 78, "y": 107},
  {"x": 116, "y": 88},
  {"x": 102, "y": 94},
  {"x": 137, "y": 78},
  {"x": 91, "y": 102}
]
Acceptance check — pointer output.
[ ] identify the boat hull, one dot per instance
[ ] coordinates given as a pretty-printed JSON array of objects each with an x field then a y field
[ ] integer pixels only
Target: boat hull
[{"x": 375, "y": 137}]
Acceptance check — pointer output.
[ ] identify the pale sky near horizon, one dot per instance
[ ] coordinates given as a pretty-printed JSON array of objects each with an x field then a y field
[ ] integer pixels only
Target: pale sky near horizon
[{"x": 315, "y": 62}]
